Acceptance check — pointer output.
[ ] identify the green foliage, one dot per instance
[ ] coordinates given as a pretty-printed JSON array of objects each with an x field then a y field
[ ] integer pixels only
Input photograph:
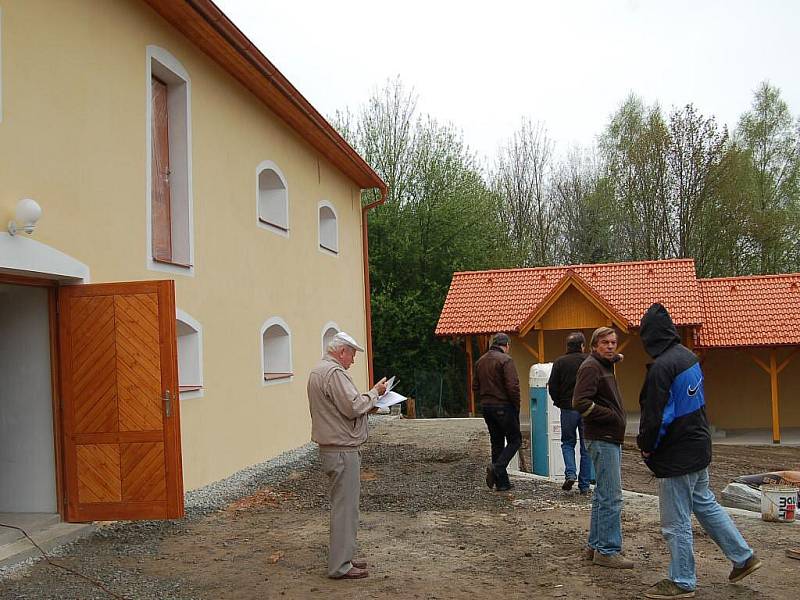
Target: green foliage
[
  {"x": 769, "y": 135},
  {"x": 440, "y": 217},
  {"x": 653, "y": 188}
]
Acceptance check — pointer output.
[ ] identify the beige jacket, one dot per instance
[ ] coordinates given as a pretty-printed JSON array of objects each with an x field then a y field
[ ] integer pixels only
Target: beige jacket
[{"x": 338, "y": 410}]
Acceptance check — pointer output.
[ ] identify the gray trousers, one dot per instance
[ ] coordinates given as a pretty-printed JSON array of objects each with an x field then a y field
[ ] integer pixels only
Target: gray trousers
[{"x": 344, "y": 474}]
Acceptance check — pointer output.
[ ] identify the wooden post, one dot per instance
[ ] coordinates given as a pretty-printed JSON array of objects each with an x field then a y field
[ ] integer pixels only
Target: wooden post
[
  {"x": 773, "y": 379},
  {"x": 470, "y": 393},
  {"x": 411, "y": 410},
  {"x": 541, "y": 343}
]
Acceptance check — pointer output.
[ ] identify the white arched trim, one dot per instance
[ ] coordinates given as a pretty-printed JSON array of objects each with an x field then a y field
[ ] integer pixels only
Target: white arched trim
[
  {"x": 276, "y": 351},
  {"x": 330, "y": 325},
  {"x": 276, "y": 218},
  {"x": 163, "y": 65},
  {"x": 20, "y": 255},
  {"x": 328, "y": 228},
  {"x": 190, "y": 355}
]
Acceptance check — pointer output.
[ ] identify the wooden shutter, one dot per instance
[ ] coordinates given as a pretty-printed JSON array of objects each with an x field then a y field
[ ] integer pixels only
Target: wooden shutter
[
  {"x": 118, "y": 355},
  {"x": 160, "y": 195}
]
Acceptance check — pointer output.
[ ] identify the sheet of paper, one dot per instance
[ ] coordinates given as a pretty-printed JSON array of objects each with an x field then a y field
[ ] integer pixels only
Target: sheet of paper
[
  {"x": 389, "y": 399},
  {"x": 390, "y": 383}
]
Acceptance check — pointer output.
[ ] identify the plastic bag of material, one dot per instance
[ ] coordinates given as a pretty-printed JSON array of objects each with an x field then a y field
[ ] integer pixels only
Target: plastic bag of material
[
  {"x": 773, "y": 478},
  {"x": 740, "y": 495}
]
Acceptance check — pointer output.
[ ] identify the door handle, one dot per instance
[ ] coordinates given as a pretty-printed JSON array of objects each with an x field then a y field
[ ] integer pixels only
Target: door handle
[{"x": 168, "y": 403}]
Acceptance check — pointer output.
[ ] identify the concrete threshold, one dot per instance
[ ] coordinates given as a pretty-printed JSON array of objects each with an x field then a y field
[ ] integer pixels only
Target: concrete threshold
[{"x": 48, "y": 537}]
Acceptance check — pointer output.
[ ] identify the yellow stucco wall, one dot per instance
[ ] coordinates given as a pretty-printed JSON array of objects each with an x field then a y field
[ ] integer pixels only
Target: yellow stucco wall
[
  {"x": 738, "y": 390},
  {"x": 73, "y": 136}
]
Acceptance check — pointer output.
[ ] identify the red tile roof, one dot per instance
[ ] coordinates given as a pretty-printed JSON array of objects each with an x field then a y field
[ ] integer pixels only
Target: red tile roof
[
  {"x": 501, "y": 300},
  {"x": 750, "y": 311}
]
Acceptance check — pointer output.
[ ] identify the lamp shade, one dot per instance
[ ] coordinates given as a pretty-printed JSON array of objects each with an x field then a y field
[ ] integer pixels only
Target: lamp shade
[{"x": 28, "y": 212}]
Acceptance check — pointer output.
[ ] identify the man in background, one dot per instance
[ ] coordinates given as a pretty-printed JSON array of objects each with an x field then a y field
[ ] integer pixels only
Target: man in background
[
  {"x": 339, "y": 424},
  {"x": 497, "y": 385},
  {"x": 599, "y": 402},
  {"x": 561, "y": 385},
  {"x": 675, "y": 441}
]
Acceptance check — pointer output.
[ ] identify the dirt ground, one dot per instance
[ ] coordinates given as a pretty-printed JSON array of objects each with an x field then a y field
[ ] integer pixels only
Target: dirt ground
[{"x": 429, "y": 529}]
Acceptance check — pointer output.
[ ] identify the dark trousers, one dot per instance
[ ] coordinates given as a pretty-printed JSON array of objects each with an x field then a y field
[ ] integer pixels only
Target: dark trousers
[{"x": 502, "y": 420}]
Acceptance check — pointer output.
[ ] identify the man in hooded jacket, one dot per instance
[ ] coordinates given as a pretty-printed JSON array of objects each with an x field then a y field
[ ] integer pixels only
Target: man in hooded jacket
[{"x": 675, "y": 441}]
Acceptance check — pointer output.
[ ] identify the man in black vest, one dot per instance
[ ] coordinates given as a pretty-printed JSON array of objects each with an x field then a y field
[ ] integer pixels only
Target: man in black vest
[{"x": 561, "y": 385}]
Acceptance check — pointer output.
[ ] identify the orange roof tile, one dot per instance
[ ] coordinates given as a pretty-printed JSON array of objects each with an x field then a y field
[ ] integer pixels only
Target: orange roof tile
[
  {"x": 750, "y": 311},
  {"x": 501, "y": 300}
]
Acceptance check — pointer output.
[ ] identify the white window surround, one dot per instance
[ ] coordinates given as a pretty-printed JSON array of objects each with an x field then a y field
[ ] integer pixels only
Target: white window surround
[
  {"x": 190, "y": 355},
  {"x": 272, "y": 203},
  {"x": 328, "y": 331},
  {"x": 275, "y": 340},
  {"x": 161, "y": 64},
  {"x": 328, "y": 228}
]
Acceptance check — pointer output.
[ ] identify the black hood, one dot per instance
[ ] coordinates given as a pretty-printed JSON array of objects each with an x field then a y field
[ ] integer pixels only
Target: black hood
[{"x": 657, "y": 330}]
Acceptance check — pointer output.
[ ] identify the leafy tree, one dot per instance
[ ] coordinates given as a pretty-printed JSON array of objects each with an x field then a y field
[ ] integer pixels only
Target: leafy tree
[
  {"x": 634, "y": 147},
  {"x": 769, "y": 135},
  {"x": 439, "y": 217}
]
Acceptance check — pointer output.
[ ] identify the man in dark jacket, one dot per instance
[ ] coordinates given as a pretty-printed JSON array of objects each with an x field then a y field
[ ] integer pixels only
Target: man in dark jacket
[
  {"x": 497, "y": 386},
  {"x": 598, "y": 400},
  {"x": 561, "y": 385},
  {"x": 675, "y": 441}
]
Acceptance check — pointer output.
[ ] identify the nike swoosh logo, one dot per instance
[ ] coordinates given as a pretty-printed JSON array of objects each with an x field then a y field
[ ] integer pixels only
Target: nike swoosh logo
[{"x": 693, "y": 390}]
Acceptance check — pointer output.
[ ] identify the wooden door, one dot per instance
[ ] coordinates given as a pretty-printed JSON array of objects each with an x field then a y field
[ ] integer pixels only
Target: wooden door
[{"x": 120, "y": 410}]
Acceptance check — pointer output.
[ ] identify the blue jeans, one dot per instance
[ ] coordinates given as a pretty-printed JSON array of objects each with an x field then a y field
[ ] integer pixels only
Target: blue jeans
[
  {"x": 678, "y": 498},
  {"x": 605, "y": 529},
  {"x": 571, "y": 424}
]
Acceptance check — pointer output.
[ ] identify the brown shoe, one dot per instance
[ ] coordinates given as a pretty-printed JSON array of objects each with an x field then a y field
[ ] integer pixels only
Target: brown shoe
[
  {"x": 612, "y": 561},
  {"x": 359, "y": 564},
  {"x": 354, "y": 573},
  {"x": 793, "y": 553},
  {"x": 587, "y": 553},
  {"x": 738, "y": 573}
]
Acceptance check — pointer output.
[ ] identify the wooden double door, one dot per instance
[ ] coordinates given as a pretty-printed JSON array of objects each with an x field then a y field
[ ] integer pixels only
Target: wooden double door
[{"x": 117, "y": 411}]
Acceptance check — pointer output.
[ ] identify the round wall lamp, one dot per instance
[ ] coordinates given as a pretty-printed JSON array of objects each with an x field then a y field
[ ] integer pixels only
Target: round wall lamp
[{"x": 28, "y": 214}]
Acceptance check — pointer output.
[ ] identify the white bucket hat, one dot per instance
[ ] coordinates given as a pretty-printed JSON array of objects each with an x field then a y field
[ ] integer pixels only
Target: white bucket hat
[{"x": 348, "y": 340}]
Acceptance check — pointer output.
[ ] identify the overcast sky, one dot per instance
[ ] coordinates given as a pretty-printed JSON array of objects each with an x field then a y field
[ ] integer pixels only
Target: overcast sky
[{"x": 484, "y": 65}]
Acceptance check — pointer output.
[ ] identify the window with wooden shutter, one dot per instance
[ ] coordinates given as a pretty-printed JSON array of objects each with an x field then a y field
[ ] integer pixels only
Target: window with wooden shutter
[
  {"x": 161, "y": 213},
  {"x": 170, "y": 243}
]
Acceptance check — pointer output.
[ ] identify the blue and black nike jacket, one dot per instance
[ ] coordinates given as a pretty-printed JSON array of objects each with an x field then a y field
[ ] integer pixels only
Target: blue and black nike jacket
[{"x": 673, "y": 426}]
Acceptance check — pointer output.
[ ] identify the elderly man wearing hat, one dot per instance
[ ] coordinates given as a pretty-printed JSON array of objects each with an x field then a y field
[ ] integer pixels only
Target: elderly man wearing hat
[
  {"x": 497, "y": 385},
  {"x": 339, "y": 425}
]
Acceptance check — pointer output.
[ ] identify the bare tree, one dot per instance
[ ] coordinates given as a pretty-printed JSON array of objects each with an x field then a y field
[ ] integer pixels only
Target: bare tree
[
  {"x": 522, "y": 180},
  {"x": 582, "y": 198}
]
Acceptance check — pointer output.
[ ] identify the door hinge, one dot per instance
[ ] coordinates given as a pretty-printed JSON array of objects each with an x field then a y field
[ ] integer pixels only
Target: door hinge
[{"x": 168, "y": 403}]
